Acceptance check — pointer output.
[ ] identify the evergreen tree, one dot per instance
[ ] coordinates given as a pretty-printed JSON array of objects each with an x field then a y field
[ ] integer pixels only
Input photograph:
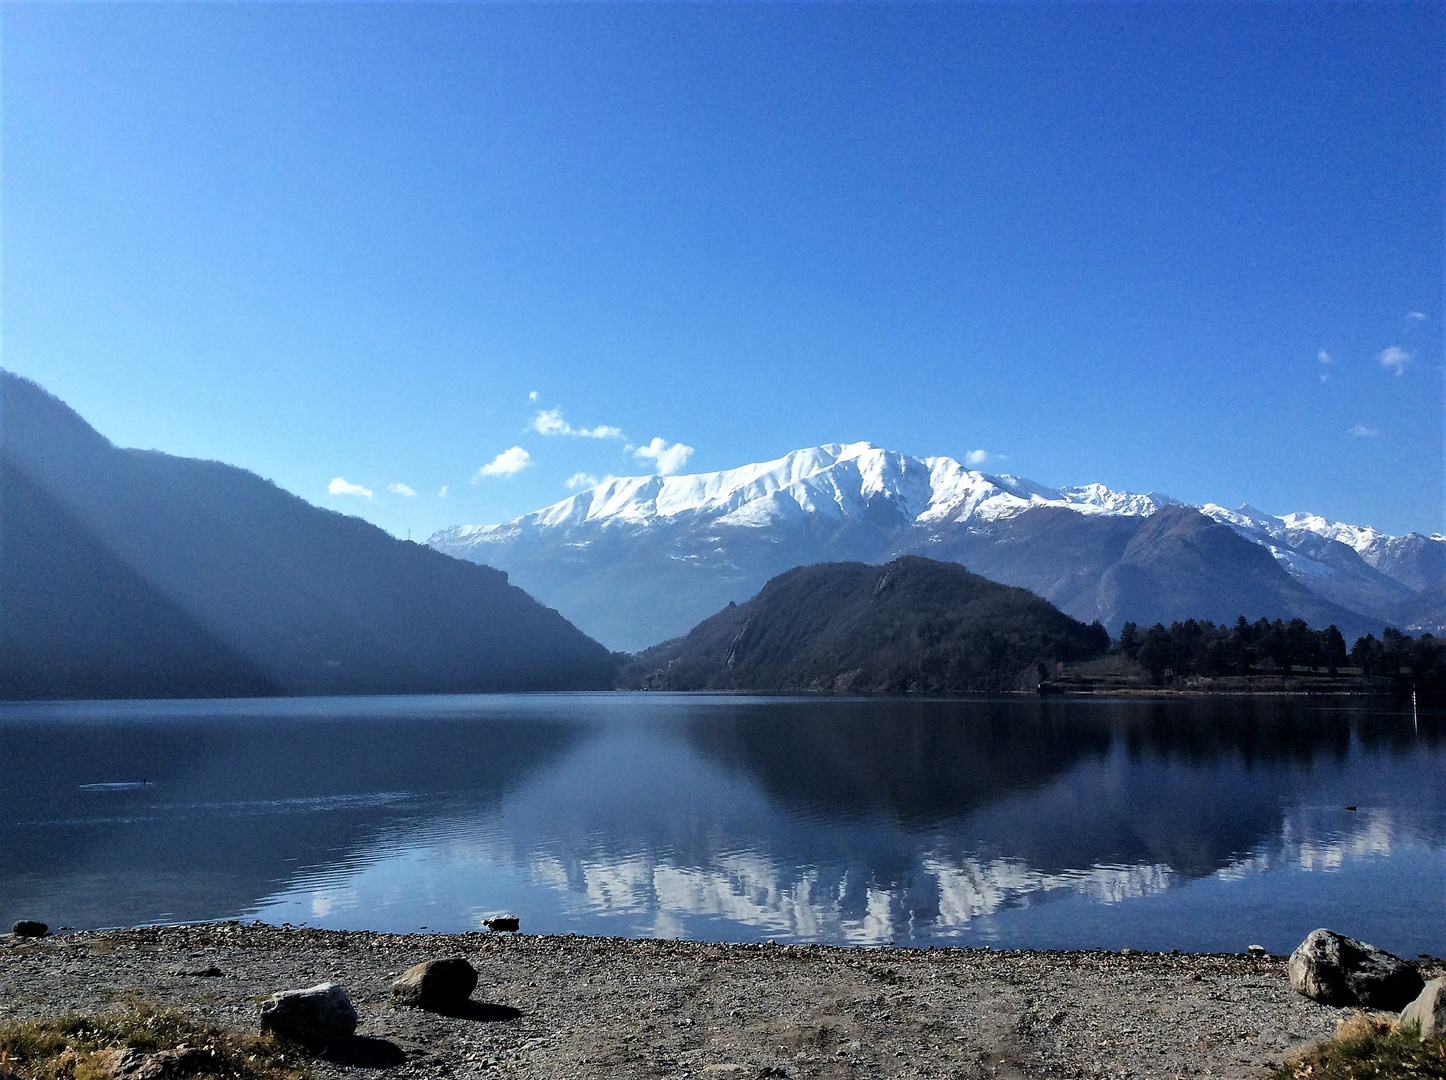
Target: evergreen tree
[{"x": 1333, "y": 650}]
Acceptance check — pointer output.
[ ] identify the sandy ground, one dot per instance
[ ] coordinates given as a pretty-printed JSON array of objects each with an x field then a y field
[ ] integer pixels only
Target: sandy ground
[{"x": 592, "y": 1007}]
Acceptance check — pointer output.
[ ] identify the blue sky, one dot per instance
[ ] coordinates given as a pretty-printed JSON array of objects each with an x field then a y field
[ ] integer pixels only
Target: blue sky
[{"x": 1101, "y": 242}]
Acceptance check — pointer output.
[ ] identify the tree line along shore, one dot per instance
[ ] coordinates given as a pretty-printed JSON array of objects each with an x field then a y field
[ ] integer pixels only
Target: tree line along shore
[{"x": 1264, "y": 656}]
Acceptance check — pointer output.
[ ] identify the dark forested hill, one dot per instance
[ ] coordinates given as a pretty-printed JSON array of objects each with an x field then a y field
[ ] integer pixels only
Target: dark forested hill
[
  {"x": 127, "y": 573},
  {"x": 912, "y": 625}
]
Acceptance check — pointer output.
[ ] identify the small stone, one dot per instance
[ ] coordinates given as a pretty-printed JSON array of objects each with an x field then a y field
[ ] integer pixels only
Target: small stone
[
  {"x": 1336, "y": 970},
  {"x": 1255, "y": 950},
  {"x": 29, "y": 928},
  {"x": 1428, "y": 1010},
  {"x": 318, "y": 1016},
  {"x": 437, "y": 985},
  {"x": 503, "y": 924}
]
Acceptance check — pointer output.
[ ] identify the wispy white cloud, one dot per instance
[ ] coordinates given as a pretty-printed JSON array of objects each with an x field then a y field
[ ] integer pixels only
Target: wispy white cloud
[
  {"x": 402, "y": 489},
  {"x": 667, "y": 459},
  {"x": 443, "y": 493},
  {"x": 1416, "y": 316},
  {"x": 976, "y": 457},
  {"x": 339, "y": 486},
  {"x": 508, "y": 463},
  {"x": 1394, "y": 358},
  {"x": 532, "y": 396},
  {"x": 583, "y": 480},
  {"x": 550, "y": 422},
  {"x": 1324, "y": 357},
  {"x": 1360, "y": 431}
]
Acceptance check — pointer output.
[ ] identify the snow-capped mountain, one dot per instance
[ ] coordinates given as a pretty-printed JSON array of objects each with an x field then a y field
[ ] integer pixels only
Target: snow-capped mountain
[
  {"x": 636, "y": 560},
  {"x": 837, "y": 481}
]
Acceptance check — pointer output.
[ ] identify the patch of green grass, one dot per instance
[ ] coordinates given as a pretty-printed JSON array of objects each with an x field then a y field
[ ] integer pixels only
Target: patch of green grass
[
  {"x": 79, "y": 1047},
  {"x": 1369, "y": 1048}
]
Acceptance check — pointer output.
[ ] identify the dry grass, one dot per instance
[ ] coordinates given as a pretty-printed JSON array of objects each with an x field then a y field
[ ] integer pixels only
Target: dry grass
[
  {"x": 1369, "y": 1047},
  {"x": 76, "y": 1047}
]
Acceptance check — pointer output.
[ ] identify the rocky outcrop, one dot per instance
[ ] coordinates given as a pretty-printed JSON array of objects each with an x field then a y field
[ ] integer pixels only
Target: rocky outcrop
[
  {"x": 29, "y": 928},
  {"x": 437, "y": 985},
  {"x": 1428, "y": 1010},
  {"x": 1336, "y": 970},
  {"x": 317, "y": 1017}
]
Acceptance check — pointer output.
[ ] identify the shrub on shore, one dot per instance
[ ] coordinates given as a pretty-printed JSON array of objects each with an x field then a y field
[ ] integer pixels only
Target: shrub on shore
[
  {"x": 126, "y": 1042},
  {"x": 1369, "y": 1046}
]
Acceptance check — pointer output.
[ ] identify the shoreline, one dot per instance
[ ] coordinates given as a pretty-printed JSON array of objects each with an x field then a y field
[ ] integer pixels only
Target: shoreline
[{"x": 596, "y": 1007}]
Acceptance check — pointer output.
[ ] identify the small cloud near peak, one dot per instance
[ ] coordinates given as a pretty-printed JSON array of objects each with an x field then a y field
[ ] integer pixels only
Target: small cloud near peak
[
  {"x": 1360, "y": 431},
  {"x": 339, "y": 486},
  {"x": 532, "y": 396},
  {"x": 443, "y": 493},
  {"x": 1394, "y": 357},
  {"x": 1324, "y": 357},
  {"x": 508, "y": 463},
  {"x": 402, "y": 489},
  {"x": 550, "y": 422},
  {"x": 667, "y": 459},
  {"x": 1416, "y": 316},
  {"x": 586, "y": 480}
]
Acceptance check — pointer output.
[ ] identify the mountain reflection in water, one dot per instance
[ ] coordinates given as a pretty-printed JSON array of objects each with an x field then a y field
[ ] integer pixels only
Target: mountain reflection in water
[{"x": 1022, "y": 822}]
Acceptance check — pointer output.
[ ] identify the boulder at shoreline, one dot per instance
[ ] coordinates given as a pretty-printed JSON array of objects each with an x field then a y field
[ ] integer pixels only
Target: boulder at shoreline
[
  {"x": 437, "y": 985},
  {"x": 1337, "y": 970},
  {"x": 1428, "y": 1010},
  {"x": 318, "y": 1016}
]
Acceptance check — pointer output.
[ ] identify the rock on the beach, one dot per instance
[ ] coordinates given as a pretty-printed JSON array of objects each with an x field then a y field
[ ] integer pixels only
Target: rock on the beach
[
  {"x": 1428, "y": 1010},
  {"x": 1336, "y": 970},
  {"x": 438, "y": 985},
  {"x": 318, "y": 1016},
  {"x": 29, "y": 928},
  {"x": 131, "y": 1064}
]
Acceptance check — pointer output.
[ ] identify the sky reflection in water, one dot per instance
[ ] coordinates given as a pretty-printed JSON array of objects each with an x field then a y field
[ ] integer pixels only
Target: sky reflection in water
[{"x": 1190, "y": 825}]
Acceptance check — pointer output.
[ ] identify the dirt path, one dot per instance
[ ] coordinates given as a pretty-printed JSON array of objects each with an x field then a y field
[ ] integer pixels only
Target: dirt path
[{"x": 589, "y": 1007}]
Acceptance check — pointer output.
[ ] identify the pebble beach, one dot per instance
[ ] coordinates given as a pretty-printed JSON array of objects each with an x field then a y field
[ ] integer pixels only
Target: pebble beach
[{"x": 549, "y": 1006}]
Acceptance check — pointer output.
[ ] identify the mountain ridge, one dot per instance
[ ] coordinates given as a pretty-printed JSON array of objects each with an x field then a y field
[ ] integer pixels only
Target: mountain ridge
[
  {"x": 615, "y": 556},
  {"x": 134, "y": 573}
]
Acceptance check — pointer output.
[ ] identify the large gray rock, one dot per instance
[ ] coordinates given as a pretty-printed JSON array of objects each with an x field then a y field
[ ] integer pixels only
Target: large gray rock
[
  {"x": 1336, "y": 970},
  {"x": 438, "y": 985},
  {"x": 1428, "y": 1010},
  {"x": 317, "y": 1017}
]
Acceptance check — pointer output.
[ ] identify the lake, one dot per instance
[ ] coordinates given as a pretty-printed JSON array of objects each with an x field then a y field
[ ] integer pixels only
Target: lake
[{"x": 1042, "y": 823}]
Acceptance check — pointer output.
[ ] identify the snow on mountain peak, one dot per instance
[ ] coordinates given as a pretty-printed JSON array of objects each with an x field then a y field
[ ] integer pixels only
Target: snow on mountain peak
[{"x": 841, "y": 481}]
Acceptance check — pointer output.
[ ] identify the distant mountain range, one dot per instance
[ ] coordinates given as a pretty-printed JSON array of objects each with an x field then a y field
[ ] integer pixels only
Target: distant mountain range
[
  {"x": 638, "y": 560},
  {"x": 129, "y": 573},
  {"x": 913, "y": 625}
]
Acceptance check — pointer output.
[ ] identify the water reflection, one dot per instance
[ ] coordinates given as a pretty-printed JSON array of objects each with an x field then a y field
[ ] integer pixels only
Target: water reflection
[{"x": 1015, "y": 822}]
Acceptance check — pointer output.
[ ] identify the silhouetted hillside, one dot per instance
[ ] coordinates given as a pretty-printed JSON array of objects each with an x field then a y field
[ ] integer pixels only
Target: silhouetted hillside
[
  {"x": 127, "y": 573},
  {"x": 913, "y": 625}
]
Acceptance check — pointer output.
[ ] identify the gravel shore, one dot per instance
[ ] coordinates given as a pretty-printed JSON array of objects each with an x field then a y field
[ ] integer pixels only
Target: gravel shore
[{"x": 593, "y": 1007}]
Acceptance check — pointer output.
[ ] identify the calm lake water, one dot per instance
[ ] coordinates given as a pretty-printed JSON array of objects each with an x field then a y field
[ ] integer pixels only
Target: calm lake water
[{"x": 1192, "y": 825}]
